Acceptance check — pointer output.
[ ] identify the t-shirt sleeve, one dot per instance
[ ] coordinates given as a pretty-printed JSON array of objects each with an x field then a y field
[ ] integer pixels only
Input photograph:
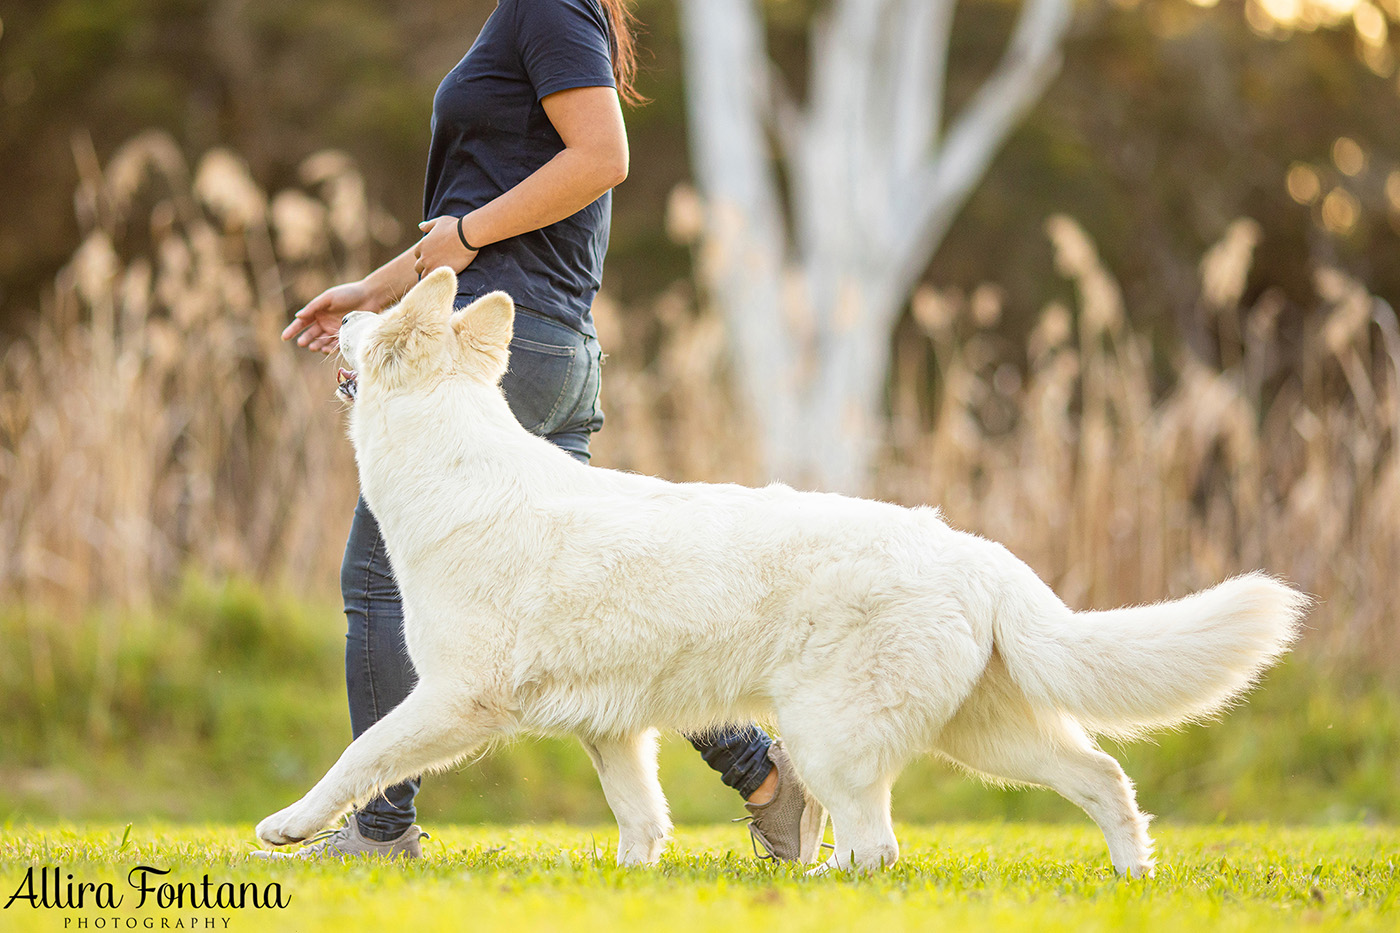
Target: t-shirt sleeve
[{"x": 563, "y": 44}]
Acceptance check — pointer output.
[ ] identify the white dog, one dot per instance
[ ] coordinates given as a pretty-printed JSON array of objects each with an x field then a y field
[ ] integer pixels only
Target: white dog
[{"x": 544, "y": 595}]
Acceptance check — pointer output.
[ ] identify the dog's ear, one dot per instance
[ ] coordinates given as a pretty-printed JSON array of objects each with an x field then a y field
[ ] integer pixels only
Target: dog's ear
[
  {"x": 485, "y": 326},
  {"x": 432, "y": 298},
  {"x": 424, "y": 310},
  {"x": 410, "y": 328}
]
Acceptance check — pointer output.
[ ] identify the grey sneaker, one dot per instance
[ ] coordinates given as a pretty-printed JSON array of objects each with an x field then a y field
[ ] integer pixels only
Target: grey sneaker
[
  {"x": 791, "y": 825},
  {"x": 347, "y": 842}
]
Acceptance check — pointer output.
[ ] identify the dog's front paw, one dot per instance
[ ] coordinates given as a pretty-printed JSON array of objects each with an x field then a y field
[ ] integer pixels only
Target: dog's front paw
[
  {"x": 641, "y": 852},
  {"x": 296, "y": 823}
]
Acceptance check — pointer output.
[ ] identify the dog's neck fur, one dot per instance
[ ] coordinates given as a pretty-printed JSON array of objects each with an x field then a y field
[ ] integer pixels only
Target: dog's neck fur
[{"x": 481, "y": 472}]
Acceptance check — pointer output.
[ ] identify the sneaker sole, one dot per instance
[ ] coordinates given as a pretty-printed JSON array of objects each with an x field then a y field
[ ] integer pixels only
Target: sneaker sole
[{"x": 811, "y": 829}]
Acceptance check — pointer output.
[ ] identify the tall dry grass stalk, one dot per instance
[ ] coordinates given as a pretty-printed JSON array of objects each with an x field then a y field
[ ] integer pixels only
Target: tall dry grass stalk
[{"x": 152, "y": 421}]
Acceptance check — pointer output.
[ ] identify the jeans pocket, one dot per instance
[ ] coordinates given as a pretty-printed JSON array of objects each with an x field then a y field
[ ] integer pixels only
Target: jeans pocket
[{"x": 544, "y": 378}]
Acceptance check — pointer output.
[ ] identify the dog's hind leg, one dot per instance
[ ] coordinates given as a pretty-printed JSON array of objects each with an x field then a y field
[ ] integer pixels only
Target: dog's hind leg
[
  {"x": 627, "y": 770},
  {"x": 850, "y": 776},
  {"x": 860, "y": 822},
  {"x": 863, "y": 710},
  {"x": 434, "y": 726},
  {"x": 999, "y": 734}
]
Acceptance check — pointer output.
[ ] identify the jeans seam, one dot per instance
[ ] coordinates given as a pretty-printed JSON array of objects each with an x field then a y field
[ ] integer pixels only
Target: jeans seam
[
  {"x": 369, "y": 642},
  {"x": 750, "y": 785},
  {"x": 597, "y": 389},
  {"x": 546, "y": 348},
  {"x": 539, "y": 316},
  {"x": 568, "y": 375}
]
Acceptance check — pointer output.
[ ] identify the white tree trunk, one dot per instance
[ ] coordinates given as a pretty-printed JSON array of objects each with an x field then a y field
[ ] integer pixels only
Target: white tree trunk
[{"x": 812, "y": 298}]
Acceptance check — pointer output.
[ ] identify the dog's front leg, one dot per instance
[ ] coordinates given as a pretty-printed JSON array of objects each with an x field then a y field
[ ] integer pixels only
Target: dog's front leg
[
  {"x": 627, "y": 770},
  {"x": 432, "y": 727}
]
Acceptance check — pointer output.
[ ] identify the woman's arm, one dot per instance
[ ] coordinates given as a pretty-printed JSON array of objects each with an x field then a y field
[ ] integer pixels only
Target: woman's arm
[{"x": 593, "y": 160}]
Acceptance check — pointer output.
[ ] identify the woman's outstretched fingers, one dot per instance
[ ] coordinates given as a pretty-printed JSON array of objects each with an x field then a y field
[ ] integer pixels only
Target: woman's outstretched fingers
[
  {"x": 312, "y": 332},
  {"x": 306, "y": 316}
]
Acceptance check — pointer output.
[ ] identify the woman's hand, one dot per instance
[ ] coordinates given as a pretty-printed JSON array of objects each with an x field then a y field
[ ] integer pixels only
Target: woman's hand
[
  {"x": 316, "y": 325},
  {"x": 440, "y": 246}
]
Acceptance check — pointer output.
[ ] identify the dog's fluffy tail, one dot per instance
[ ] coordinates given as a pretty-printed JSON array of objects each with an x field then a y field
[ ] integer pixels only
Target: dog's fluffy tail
[{"x": 1126, "y": 671}]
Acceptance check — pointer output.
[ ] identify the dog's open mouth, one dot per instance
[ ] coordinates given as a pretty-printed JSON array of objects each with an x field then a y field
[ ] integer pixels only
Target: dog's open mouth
[{"x": 348, "y": 385}]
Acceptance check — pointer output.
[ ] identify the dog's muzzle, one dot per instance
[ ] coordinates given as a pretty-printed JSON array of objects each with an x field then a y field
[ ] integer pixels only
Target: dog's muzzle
[{"x": 348, "y": 384}]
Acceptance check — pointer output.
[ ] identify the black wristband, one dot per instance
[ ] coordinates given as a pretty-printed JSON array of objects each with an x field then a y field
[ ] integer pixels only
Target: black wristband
[{"x": 463, "y": 237}]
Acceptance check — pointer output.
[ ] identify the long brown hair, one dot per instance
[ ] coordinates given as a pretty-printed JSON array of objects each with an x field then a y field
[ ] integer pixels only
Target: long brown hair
[{"x": 624, "y": 50}]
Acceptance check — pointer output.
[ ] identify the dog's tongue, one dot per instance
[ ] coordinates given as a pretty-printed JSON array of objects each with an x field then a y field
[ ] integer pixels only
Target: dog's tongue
[{"x": 347, "y": 384}]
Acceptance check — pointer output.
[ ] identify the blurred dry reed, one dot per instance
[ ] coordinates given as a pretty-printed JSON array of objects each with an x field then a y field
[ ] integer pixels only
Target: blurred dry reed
[
  {"x": 151, "y": 421},
  {"x": 1126, "y": 474},
  {"x": 1122, "y": 472}
]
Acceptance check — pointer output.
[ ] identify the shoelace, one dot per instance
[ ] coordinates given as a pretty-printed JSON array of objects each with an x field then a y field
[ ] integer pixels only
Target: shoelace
[
  {"x": 321, "y": 839},
  {"x": 324, "y": 836},
  {"x": 756, "y": 838}
]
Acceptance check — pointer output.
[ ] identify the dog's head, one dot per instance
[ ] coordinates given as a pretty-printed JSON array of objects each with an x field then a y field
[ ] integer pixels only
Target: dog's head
[{"x": 421, "y": 340}]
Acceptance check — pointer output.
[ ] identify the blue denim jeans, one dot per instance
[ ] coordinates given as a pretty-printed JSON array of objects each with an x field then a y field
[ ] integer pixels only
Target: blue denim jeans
[{"x": 552, "y": 387}]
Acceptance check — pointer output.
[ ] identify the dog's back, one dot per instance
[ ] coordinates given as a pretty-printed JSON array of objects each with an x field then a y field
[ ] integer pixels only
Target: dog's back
[{"x": 689, "y": 605}]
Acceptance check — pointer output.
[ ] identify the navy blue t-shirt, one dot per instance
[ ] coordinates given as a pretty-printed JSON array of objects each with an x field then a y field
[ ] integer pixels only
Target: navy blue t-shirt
[{"x": 490, "y": 132}]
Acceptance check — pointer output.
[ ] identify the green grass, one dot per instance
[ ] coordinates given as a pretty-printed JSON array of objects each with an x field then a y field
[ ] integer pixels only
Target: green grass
[{"x": 967, "y": 876}]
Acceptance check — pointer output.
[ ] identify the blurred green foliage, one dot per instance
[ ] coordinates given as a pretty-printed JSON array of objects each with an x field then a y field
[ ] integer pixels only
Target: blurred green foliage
[
  {"x": 1167, "y": 122},
  {"x": 274, "y": 81},
  {"x": 233, "y": 704}
]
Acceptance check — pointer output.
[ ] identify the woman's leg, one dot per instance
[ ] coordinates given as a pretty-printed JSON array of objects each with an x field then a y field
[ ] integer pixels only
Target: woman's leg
[
  {"x": 740, "y": 756},
  {"x": 378, "y": 674}
]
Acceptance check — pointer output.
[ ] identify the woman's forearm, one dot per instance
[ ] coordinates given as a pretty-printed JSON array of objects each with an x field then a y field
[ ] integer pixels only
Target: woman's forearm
[
  {"x": 391, "y": 281},
  {"x": 593, "y": 160},
  {"x": 560, "y": 188},
  {"x": 567, "y": 183}
]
